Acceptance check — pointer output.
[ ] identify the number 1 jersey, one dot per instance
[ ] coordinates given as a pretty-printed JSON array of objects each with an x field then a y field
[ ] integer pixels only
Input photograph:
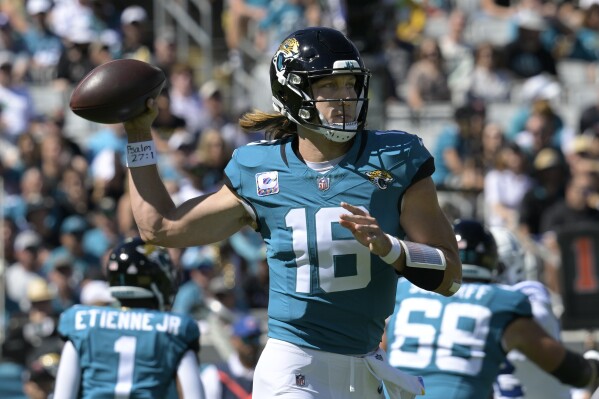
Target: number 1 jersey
[{"x": 127, "y": 351}]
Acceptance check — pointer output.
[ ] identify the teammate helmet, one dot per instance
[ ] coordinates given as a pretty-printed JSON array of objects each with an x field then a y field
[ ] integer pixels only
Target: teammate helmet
[
  {"x": 305, "y": 56},
  {"x": 138, "y": 270},
  {"x": 478, "y": 250},
  {"x": 512, "y": 268}
]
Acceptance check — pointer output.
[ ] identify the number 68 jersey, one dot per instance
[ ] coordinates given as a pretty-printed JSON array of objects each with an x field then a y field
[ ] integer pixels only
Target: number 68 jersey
[
  {"x": 122, "y": 351},
  {"x": 454, "y": 343},
  {"x": 327, "y": 291}
]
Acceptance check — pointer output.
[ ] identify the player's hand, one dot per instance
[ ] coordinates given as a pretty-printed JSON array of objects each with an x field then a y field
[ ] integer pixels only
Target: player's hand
[
  {"x": 365, "y": 229},
  {"x": 142, "y": 123}
]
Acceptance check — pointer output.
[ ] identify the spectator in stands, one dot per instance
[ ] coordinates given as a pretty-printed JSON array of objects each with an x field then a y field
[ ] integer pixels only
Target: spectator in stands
[
  {"x": 427, "y": 80},
  {"x": 583, "y": 154},
  {"x": 9, "y": 235},
  {"x": 63, "y": 283},
  {"x": 99, "y": 53},
  {"x": 135, "y": 34},
  {"x": 70, "y": 15},
  {"x": 589, "y": 117},
  {"x": 29, "y": 152},
  {"x": 185, "y": 99},
  {"x": 234, "y": 377},
  {"x": 164, "y": 54},
  {"x": 488, "y": 81},
  {"x": 210, "y": 159},
  {"x": 580, "y": 205},
  {"x": 541, "y": 93},
  {"x": 29, "y": 250},
  {"x": 32, "y": 189},
  {"x": 171, "y": 132},
  {"x": 240, "y": 20},
  {"x": 540, "y": 130},
  {"x": 458, "y": 150},
  {"x": 199, "y": 264},
  {"x": 71, "y": 248},
  {"x": 103, "y": 233},
  {"x": 525, "y": 56},
  {"x": 55, "y": 158},
  {"x": 13, "y": 360},
  {"x": 72, "y": 193},
  {"x": 41, "y": 376},
  {"x": 74, "y": 62},
  {"x": 40, "y": 328},
  {"x": 212, "y": 97},
  {"x": 43, "y": 44},
  {"x": 493, "y": 141},
  {"x": 408, "y": 20},
  {"x": 505, "y": 186},
  {"x": 549, "y": 175},
  {"x": 281, "y": 19},
  {"x": 13, "y": 48},
  {"x": 17, "y": 105},
  {"x": 42, "y": 216},
  {"x": 456, "y": 51},
  {"x": 586, "y": 45}
]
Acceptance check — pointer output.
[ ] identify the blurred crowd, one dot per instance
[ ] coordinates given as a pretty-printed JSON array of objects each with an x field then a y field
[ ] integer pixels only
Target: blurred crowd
[{"x": 65, "y": 199}]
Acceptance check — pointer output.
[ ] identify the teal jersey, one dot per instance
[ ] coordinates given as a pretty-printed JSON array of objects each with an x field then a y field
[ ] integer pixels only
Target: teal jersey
[
  {"x": 453, "y": 343},
  {"x": 327, "y": 291},
  {"x": 133, "y": 352}
]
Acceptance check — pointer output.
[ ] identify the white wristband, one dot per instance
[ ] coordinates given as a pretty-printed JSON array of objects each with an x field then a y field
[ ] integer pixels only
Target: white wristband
[
  {"x": 140, "y": 154},
  {"x": 395, "y": 252}
]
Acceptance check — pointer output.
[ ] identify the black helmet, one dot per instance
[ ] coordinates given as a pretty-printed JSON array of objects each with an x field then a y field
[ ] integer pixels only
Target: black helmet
[
  {"x": 305, "y": 56},
  {"x": 137, "y": 270},
  {"x": 478, "y": 250}
]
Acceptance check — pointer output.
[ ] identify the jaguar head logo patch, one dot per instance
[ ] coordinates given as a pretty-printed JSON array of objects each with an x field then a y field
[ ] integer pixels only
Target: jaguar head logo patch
[{"x": 380, "y": 178}]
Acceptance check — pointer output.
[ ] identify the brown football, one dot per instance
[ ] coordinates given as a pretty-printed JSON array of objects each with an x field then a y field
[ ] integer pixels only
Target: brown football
[{"x": 116, "y": 91}]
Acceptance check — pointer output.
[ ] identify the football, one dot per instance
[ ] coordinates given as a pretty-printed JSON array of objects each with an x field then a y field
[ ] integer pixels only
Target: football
[{"x": 116, "y": 91}]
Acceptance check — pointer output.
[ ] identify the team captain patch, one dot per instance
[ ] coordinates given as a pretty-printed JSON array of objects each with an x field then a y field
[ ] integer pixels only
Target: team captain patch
[{"x": 267, "y": 183}]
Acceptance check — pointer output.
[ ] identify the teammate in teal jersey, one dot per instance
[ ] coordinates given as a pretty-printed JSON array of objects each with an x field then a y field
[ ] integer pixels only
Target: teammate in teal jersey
[
  {"x": 457, "y": 344},
  {"x": 342, "y": 211},
  {"x": 139, "y": 350}
]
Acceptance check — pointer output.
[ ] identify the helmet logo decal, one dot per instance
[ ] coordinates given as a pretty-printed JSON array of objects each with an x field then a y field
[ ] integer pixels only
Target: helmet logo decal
[
  {"x": 288, "y": 49},
  {"x": 380, "y": 178}
]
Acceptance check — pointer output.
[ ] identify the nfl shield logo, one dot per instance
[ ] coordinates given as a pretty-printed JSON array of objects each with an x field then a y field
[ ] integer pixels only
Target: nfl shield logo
[
  {"x": 300, "y": 380},
  {"x": 323, "y": 183}
]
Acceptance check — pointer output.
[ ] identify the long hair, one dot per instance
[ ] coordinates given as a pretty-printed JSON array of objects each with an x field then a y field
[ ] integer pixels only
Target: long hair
[{"x": 274, "y": 125}]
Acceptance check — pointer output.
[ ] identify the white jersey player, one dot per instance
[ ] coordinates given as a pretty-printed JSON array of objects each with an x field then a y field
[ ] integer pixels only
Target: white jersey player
[{"x": 520, "y": 378}]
